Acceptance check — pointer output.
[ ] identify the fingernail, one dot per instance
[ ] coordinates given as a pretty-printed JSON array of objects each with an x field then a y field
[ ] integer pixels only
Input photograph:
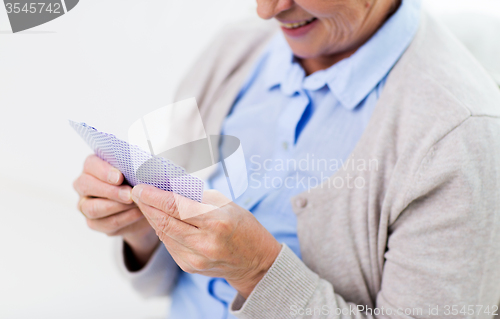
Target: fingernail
[
  {"x": 136, "y": 193},
  {"x": 114, "y": 176},
  {"x": 124, "y": 194}
]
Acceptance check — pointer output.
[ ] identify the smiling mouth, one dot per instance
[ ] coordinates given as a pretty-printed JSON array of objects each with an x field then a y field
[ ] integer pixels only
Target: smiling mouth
[{"x": 296, "y": 25}]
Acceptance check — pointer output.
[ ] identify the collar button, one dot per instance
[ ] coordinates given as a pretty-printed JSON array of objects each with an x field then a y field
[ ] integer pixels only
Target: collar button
[{"x": 301, "y": 202}]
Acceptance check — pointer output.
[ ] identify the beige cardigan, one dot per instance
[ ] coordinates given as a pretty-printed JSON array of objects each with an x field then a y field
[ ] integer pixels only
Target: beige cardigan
[{"x": 424, "y": 230}]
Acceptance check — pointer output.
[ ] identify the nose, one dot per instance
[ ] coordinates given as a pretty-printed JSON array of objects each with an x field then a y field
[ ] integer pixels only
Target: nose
[{"x": 267, "y": 9}]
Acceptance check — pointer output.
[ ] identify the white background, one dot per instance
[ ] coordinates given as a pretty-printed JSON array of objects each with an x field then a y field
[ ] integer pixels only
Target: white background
[{"x": 107, "y": 62}]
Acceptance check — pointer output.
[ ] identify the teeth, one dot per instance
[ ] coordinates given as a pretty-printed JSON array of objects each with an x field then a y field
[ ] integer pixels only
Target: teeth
[{"x": 296, "y": 25}]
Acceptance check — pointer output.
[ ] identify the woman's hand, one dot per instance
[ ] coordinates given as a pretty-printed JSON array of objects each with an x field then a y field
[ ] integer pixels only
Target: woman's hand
[
  {"x": 108, "y": 207},
  {"x": 221, "y": 240}
]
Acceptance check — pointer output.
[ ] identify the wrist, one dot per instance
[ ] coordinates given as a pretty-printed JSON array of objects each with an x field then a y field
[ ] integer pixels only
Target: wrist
[
  {"x": 246, "y": 285},
  {"x": 142, "y": 247}
]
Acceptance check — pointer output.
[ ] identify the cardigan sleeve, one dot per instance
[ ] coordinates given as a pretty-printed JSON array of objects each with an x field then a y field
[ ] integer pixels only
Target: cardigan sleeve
[
  {"x": 156, "y": 278},
  {"x": 443, "y": 249}
]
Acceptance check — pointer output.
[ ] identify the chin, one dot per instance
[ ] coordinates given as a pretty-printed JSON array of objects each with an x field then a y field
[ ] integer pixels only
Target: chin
[{"x": 304, "y": 52}]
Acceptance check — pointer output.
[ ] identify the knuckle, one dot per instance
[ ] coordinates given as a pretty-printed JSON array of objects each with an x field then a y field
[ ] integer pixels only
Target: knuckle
[
  {"x": 114, "y": 233},
  {"x": 87, "y": 164},
  {"x": 160, "y": 235},
  {"x": 114, "y": 223},
  {"x": 76, "y": 184},
  {"x": 90, "y": 163},
  {"x": 138, "y": 216},
  {"x": 118, "y": 195},
  {"x": 79, "y": 204},
  {"x": 83, "y": 185},
  {"x": 217, "y": 253},
  {"x": 164, "y": 223},
  {"x": 223, "y": 226},
  {"x": 203, "y": 248},
  {"x": 132, "y": 214},
  {"x": 89, "y": 209},
  {"x": 198, "y": 263},
  {"x": 102, "y": 207},
  {"x": 210, "y": 251},
  {"x": 168, "y": 203},
  {"x": 93, "y": 209},
  {"x": 80, "y": 185},
  {"x": 91, "y": 224},
  {"x": 186, "y": 268}
]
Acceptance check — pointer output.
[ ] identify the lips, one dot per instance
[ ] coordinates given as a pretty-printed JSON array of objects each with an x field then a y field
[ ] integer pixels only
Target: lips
[
  {"x": 296, "y": 24},
  {"x": 297, "y": 29}
]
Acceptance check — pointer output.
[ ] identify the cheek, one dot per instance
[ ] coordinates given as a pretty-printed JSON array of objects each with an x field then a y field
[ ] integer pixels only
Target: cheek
[
  {"x": 337, "y": 30},
  {"x": 339, "y": 17},
  {"x": 329, "y": 36}
]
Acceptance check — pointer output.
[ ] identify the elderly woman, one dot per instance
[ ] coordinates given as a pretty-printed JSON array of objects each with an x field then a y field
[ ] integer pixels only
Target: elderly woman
[{"x": 406, "y": 226}]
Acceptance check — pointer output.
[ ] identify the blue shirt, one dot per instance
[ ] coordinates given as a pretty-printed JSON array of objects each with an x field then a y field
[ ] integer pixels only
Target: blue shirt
[{"x": 296, "y": 131}]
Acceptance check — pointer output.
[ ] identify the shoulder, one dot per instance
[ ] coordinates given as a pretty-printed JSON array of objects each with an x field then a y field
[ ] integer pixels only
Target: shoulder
[
  {"x": 435, "y": 87},
  {"x": 440, "y": 73},
  {"x": 438, "y": 115}
]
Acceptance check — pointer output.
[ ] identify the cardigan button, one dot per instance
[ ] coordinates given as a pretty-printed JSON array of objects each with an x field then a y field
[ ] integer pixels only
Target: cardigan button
[{"x": 301, "y": 202}]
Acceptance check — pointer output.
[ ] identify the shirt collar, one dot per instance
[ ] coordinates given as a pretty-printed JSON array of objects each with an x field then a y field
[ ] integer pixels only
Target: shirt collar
[{"x": 353, "y": 78}]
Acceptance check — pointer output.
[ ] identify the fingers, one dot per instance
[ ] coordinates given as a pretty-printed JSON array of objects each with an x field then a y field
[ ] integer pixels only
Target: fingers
[
  {"x": 173, "y": 204},
  {"x": 157, "y": 198},
  {"x": 95, "y": 208},
  {"x": 89, "y": 186},
  {"x": 112, "y": 225},
  {"x": 167, "y": 225},
  {"x": 102, "y": 170}
]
